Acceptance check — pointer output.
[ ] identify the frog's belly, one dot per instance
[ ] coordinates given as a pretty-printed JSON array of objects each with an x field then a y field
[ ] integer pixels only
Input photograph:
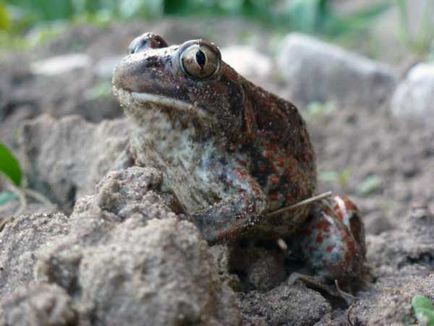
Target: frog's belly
[{"x": 184, "y": 164}]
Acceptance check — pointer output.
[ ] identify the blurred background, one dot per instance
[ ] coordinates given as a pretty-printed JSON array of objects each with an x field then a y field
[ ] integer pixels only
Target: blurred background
[{"x": 391, "y": 30}]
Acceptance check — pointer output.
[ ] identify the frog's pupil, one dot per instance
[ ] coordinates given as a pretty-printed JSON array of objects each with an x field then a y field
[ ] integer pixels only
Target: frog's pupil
[{"x": 200, "y": 58}]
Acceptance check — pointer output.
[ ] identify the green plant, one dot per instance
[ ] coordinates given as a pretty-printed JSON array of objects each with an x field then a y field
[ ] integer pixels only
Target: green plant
[
  {"x": 9, "y": 165},
  {"x": 342, "y": 178},
  {"x": 12, "y": 184},
  {"x": 423, "y": 310},
  {"x": 421, "y": 40},
  {"x": 310, "y": 16},
  {"x": 5, "y": 20},
  {"x": 318, "y": 109},
  {"x": 100, "y": 90}
]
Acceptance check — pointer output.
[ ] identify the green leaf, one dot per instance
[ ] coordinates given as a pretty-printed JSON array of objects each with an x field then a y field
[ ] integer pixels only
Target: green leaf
[
  {"x": 5, "y": 20},
  {"x": 9, "y": 165},
  {"x": 423, "y": 310}
]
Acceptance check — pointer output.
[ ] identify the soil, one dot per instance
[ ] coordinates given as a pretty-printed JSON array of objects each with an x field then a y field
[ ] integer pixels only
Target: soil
[{"x": 385, "y": 164}]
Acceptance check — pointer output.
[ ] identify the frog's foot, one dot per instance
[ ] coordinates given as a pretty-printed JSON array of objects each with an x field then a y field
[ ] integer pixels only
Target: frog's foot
[
  {"x": 321, "y": 286},
  {"x": 333, "y": 241},
  {"x": 228, "y": 218}
]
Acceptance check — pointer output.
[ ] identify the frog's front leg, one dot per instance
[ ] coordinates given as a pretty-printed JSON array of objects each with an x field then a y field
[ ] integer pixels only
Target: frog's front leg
[
  {"x": 333, "y": 241},
  {"x": 240, "y": 208}
]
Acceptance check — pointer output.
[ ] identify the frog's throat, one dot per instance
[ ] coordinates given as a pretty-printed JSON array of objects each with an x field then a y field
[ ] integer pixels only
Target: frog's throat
[{"x": 161, "y": 101}]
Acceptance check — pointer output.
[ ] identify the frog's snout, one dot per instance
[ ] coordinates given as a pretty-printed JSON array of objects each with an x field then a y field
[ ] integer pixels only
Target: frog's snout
[
  {"x": 136, "y": 71},
  {"x": 133, "y": 73}
]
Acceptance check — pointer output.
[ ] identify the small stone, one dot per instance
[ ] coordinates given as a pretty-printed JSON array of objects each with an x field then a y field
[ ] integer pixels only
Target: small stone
[
  {"x": 321, "y": 72},
  {"x": 59, "y": 65},
  {"x": 419, "y": 210},
  {"x": 247, "y": 61},
  {"x": 414, "y": 97}
]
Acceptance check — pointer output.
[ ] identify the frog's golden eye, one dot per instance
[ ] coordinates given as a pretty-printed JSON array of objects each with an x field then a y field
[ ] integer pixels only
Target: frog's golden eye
[{"x": 200, "y": 61}]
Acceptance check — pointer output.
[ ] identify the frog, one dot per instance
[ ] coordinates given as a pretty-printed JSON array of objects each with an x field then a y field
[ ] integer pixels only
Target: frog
[{"x": 232, "y": 153}]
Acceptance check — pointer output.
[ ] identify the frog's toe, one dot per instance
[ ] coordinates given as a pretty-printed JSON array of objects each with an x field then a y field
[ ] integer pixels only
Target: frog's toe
[{"x": 333, "y": 241}]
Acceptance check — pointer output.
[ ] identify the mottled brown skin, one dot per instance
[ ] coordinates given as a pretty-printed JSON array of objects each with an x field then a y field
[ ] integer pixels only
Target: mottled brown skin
[
  {"x": 261, "y": 157},
  {"x": 231, "y": 152}
]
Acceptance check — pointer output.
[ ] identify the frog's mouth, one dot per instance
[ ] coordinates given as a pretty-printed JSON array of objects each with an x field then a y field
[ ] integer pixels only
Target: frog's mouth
[{"x": 161, "y": 102}]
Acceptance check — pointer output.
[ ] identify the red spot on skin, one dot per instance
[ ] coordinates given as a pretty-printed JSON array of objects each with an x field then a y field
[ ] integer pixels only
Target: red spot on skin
[
  {"x": 274, "y": 196},
  {"x": 319, "y": 238},
  {"x": 275, "y": 179},
  {"x": 329, "y": 249},
  {"x": 280, "y": 162},
  {"x": 323, "y": 226}
]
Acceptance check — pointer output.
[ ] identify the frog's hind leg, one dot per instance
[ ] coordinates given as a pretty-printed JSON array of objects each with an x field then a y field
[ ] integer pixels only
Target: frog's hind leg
[{"x": 333, "y": 241}]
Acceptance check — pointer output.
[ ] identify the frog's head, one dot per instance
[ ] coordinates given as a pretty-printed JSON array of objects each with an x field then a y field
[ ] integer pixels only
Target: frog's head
[{"x": 189, "y": 81}]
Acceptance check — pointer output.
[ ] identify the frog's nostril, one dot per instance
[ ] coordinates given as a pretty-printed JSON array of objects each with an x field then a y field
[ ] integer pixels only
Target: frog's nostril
[{"x": 151, "y": 61}]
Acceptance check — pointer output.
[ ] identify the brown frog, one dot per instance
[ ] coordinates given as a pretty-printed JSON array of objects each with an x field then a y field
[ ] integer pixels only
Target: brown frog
[{"x": 231, "y": 152}]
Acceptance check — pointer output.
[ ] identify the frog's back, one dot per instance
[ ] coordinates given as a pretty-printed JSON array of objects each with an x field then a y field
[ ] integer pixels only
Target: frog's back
[{"x": 283, "y": 159}]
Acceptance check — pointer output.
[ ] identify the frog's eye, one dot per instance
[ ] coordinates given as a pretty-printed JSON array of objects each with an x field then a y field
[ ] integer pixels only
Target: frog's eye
[{"x": 200, "y": 61}]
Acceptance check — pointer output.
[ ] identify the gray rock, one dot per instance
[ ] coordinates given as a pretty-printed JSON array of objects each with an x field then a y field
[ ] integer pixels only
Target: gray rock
[
  {"x": 321, "y": 72},
  {"x": 247, "y": 61},
  {"x": 65, "y": 158},
  {"x": 414, "y": 97},
  {"x": 61, "y": 64}
]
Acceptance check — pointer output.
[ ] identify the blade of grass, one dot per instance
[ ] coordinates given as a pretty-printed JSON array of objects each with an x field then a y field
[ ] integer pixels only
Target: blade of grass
[
  {"x": 358, "y": 20},
  {"x": 5, "y": 19}
]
